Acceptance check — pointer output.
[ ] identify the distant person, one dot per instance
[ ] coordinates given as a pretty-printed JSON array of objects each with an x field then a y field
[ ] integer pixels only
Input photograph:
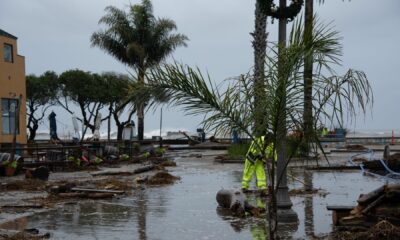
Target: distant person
[
  {"x": 324, "y": 132},
  {"x": 255, "y": 161}
]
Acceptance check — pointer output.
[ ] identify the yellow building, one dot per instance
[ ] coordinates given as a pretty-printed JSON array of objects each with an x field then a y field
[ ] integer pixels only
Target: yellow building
[{"x": 12, "y": 87}]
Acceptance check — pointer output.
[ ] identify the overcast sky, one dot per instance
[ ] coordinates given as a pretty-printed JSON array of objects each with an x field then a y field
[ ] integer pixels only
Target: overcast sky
[{"x": 55, "y": 35}]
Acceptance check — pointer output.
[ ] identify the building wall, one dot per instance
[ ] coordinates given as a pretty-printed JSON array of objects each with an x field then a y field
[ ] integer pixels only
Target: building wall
[{"x": 12, "y": 85}]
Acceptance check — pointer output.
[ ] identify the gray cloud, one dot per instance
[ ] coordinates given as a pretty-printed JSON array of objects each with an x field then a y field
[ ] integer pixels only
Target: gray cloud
[{"x": 54, "y": 35}]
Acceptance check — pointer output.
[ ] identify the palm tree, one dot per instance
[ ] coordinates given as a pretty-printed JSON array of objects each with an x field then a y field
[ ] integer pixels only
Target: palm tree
[
  {"x": 138, "y": 39},
  {"x": 308, "y": 71},
  {"x": 260, "y": 47},
  {"x": 228, "y": 105}
]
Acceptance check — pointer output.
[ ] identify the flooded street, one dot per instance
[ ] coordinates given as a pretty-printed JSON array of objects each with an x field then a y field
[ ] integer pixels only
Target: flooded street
[{"x": 188, "y": 209}]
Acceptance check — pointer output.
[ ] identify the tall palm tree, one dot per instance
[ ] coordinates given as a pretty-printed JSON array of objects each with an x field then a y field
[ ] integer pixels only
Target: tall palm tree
[
  {"x": 308, "y": 71},
  {"x": 138, "y": 39},
  {"x": 308, "y": 68},
  {"x": 260, "y": 47}
]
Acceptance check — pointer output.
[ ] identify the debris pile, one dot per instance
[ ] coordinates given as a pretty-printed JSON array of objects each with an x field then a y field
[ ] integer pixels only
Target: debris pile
[
  {"x": 381, "y": 204},
  {"x": 235, "y": 201},
  {"x": 381, "y": 230},
  {"x": 24, "y": 185},
  {"x": 162, "y": 178},
  {"x": 356, "y": 147}
]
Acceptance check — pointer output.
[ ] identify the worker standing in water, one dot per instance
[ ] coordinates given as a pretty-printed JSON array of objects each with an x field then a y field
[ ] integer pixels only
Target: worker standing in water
[{"x": 255, "y": 161}]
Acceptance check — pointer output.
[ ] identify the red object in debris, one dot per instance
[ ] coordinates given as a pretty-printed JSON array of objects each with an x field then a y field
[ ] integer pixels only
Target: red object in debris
[
  {"x": 392, "y": 137},
  {"x": 85, "y": 159}
]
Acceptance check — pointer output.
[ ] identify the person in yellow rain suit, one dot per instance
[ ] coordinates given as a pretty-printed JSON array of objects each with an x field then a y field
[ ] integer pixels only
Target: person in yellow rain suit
[{"x": 255, "y": 162}]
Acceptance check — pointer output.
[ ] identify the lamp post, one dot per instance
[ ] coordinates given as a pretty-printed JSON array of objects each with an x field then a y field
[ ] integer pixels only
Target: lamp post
[{"x": 284, "y": 204}]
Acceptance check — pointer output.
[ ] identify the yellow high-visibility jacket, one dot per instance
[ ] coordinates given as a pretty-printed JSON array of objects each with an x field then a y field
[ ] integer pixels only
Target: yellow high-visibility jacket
[{"x": 255, "y": 151}]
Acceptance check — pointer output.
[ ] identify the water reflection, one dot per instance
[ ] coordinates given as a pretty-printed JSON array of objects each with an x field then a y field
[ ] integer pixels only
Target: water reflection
[
  {"x": 308, "y": 205},
  {"x": 141, "y": 209}
]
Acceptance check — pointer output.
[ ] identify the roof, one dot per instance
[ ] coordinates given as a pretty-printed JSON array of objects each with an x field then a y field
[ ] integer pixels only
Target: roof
[{"x": 6, "y": 34}]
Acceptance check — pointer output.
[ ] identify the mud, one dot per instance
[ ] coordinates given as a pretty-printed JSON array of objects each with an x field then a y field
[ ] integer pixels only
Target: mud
[
  {"x": 162, "y": 178},
  {"x": 115, "y": 184},
  {"x": 24, "y": 185}
]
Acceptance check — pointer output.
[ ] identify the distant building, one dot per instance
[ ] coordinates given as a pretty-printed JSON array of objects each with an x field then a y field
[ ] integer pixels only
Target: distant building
[{"x": 12, "y": 86}]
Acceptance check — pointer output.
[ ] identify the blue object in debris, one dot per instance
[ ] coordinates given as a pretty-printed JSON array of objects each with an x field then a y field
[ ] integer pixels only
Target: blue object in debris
[
  {"x": 339, "y": 132},
  {"x": 235, "y": 137}
]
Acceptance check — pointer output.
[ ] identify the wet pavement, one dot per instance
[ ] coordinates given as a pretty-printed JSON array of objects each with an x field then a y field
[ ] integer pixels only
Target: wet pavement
[{"x": 188, "y": 209}]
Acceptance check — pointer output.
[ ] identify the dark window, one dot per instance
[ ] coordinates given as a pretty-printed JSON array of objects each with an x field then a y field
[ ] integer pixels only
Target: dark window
[
  {"x": 8, "y": 53},
  {"x": 8, "y": 113}
]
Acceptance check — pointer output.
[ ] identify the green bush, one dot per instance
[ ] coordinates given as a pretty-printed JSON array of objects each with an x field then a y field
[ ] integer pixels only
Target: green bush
[
  {"x": 97, "y": 161},
  {"x": 160, "y": 151},
  {"x": 124, "y": 157},
  {"x": 238, "y": 150}
]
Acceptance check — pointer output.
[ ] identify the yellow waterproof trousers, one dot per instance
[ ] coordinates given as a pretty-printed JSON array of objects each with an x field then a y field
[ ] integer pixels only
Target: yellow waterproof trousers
[{"x": 249, "y": 168}]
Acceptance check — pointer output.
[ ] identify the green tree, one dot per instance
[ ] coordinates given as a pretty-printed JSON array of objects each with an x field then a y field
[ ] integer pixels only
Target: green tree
[
  {"x": 284, "y": 96},
  {"x": 119, "y": 86},
  {"x": 41, "y": 93},
  {"x": 138, "y": 39},
  {"x": 88, "y": 91}
]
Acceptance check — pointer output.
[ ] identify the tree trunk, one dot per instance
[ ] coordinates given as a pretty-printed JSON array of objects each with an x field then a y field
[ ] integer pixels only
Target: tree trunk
[
  {"x": 259, "y": 46},
  {"x": 140, "y": 108},
  {"x": 120, "y": 128},
  {"x": 32, "y": 130},
  {"x": 308, "y": 72}
]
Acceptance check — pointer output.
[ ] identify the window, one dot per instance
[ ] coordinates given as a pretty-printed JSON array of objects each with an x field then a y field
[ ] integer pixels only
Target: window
[
  {"x": 8, "y": 53},
  {"x": 8, "y": 110}
]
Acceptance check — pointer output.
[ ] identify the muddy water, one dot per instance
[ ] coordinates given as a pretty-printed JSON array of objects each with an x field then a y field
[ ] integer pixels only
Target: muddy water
[{"x": 188, "y": 210}]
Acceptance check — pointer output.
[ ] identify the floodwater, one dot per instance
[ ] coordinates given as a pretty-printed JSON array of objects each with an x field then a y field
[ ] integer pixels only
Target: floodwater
[{"x": 188, "y": 209}]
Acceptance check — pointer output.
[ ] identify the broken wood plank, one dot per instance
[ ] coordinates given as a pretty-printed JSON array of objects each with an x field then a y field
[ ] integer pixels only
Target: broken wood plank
[
  {"x": 22, "y": 206},
  {"x": 373, "y": 204},
  {"x": 387, "y": 211},
  {"x": 100, "y": 195},
  {"x": 92, "y": 190},
  {"x": 323, "y": 168},
  {"x": 92, "y": 195},
  {"x": 72, "y": 195},
  {"x": 135, "y": 171},
  {"x": 364, "y": 199},
  {"x": 338, "y": 212}
]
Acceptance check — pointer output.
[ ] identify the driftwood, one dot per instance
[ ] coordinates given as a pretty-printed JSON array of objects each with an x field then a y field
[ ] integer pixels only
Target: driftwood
[
  {"x": 90, "y": 190},
  {"x": 22, "y": 206},
  {"x": 382, "y": 203},
  {"x": 86, "y": 195},
  {"x": 235, "y": 200},
  {"x": 373, "y": 204},
  {"x": 369, "y": 197},
  {"x": 136, "y": 171},
  {"x": 386, "y": 211}
]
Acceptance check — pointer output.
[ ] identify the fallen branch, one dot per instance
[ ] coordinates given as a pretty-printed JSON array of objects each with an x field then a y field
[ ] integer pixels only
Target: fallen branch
[{"x": 91, "y": 190}]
